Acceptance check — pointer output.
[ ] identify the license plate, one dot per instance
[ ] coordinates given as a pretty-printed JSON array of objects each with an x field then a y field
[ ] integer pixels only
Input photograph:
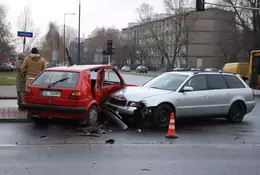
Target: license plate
[{"x": 51, "y": 93}]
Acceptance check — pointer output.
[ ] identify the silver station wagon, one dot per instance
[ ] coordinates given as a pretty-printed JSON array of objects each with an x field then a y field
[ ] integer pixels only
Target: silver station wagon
[{"x": 186, "y": 93}]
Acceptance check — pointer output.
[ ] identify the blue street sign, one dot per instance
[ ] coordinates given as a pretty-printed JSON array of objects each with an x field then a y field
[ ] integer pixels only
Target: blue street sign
[
  {"x": 25, "y": 34},
  {"x": 1, "y": 50}
]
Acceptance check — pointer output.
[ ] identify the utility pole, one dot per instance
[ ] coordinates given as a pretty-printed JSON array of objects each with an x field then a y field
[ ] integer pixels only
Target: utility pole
[
  {"x": 24, "y": 42},
  {"x": 79, "y": 33},
  {"x": 64, "y": 40}
]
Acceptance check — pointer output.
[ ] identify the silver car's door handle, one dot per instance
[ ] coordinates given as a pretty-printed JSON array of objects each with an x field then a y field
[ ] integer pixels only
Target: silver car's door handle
[{"x": 205, "y": 96}]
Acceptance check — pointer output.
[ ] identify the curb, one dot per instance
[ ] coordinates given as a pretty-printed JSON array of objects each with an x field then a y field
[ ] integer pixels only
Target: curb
[
  {"x": 15, "y": 120},
  {"x": 8, "y": 98}
]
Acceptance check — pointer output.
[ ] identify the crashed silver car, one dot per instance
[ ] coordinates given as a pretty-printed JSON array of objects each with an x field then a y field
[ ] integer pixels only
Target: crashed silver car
[{"x": 186, "y": 93}]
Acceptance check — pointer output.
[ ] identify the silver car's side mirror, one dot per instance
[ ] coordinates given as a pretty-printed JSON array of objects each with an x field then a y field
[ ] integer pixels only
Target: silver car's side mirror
[{"x": 187, "y": 89}]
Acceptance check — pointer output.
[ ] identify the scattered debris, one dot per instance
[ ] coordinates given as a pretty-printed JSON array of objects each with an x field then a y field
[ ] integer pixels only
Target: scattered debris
[
  {"x": 110, "y": 141},
  {"x": 43, "y": 137},
  {"x": 145, "y": 169}
]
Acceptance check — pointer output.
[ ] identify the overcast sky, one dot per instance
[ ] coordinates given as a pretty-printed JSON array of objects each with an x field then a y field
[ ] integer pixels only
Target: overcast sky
[{"x": 94, "y": 12}]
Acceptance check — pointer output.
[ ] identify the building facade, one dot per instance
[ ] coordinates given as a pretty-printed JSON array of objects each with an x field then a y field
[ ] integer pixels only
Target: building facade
[{"x": 194, "y": 39}]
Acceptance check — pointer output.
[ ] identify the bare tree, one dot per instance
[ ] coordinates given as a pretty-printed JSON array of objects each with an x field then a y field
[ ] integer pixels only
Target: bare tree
[
  {"x": 231, "y": 45},
  {"x": 70, "y": 35},
  {"x": 98, "y": 40},
  {"x": 247, "y": 20},
  {"x": 26, "y": 24},
  {"x": 177, "y": 10},
  {"x": 5, "y": 35}
]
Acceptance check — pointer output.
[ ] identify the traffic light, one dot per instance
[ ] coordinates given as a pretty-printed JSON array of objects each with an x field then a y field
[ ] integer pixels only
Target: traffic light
[
  {"x": 200, "y": 5},
  {"x": 104, "y": 52},
  {"x": 110, "y": 49}
]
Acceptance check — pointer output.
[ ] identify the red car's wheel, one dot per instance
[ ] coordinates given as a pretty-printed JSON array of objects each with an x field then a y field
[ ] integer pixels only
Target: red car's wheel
[{"x": 91, "y": 117}]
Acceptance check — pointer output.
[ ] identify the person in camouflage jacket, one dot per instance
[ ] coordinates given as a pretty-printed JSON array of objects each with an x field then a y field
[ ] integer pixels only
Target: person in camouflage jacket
[{"x": 20, "y": 81}]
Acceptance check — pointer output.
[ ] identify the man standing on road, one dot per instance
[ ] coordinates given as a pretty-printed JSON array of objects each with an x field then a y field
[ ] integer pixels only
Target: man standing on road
[
  {"x": 32, "y": 66},
  {"x": 20, "y": 81}
]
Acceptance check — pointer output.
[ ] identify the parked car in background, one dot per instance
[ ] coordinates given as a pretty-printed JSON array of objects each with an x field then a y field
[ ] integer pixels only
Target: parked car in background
[
  {"x": 5, "y": 67},
  {"x": 185, "y": 93},
  {"x": 126, "y": 69},
  {"x": 179, "y": 69},
  {"x": 211, "y": 70},
  {"x": 74, "y": 92},
  {"x": 141, "y": 69},
  {"x": 195, "y": 69}
]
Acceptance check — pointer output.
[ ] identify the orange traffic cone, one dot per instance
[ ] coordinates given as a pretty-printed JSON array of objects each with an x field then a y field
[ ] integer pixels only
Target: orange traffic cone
[{"x": 171, "y": 130}]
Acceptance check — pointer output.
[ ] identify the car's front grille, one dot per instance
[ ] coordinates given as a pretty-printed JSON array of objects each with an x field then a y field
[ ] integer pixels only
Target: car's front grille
[{"x": 118, "y": 102}]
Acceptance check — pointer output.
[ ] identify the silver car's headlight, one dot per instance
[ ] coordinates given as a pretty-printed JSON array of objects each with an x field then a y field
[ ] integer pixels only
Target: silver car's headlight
[{"x": 134, "y": 104}]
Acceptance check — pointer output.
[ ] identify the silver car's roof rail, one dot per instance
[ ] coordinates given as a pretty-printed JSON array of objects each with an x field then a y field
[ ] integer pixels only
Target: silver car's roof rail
[{"x": 197, "y": 72}]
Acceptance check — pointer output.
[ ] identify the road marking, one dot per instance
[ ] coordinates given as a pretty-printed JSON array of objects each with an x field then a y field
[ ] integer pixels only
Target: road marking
[{"x": 102, "y": 144}]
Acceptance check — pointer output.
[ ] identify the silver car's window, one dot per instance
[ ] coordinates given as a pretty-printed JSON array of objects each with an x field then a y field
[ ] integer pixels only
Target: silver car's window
[
  {"x": 198, "y": 83},
  {"x": 216, "y": 82},
  {"x": 233, "y": 82},
  {"x": 167, "y": 81}
]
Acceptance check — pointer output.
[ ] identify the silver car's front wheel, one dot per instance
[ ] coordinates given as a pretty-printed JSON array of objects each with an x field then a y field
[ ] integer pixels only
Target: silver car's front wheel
[{"x": 161, "y": 115}]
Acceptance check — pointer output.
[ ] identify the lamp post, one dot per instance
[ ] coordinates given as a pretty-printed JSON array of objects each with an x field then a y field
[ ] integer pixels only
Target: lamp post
[
  {"x": 79, "y": 32},
  {"x": 64, "y": 26}
]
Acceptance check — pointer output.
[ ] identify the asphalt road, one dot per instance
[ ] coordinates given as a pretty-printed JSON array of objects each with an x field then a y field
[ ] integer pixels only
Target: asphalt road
[{"x": 204, "y": 147}]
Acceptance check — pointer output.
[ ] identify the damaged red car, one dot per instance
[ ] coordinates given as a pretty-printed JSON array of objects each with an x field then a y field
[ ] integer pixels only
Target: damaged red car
[{"x": 74, "y": 92}]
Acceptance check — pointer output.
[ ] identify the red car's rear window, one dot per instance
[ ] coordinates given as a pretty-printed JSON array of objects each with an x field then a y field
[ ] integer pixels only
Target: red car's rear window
[{"x": 48, "y": 77}]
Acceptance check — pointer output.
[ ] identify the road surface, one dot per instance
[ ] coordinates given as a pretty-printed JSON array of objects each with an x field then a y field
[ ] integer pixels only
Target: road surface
[{"x": 204, "y": 147}]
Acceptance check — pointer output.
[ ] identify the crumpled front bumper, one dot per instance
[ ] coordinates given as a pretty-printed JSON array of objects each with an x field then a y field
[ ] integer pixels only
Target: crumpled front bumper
[{"x": 127, "y": 110}]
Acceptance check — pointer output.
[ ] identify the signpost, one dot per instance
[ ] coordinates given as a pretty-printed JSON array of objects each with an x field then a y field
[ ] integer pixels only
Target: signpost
[{"x": 24, "y": 35}]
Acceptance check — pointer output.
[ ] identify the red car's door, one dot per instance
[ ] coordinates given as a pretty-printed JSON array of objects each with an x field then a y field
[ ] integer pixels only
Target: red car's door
[
  {"x": 98, "y": 86},
  {"x": 112, "y": 82}
]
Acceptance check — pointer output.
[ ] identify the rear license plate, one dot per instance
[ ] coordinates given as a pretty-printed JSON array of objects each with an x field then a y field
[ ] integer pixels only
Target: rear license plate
[{"x": 51, "y": 93}]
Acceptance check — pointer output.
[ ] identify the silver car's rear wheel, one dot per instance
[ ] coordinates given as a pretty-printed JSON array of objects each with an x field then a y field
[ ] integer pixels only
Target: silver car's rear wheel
[{"x": 236, "y": 112}]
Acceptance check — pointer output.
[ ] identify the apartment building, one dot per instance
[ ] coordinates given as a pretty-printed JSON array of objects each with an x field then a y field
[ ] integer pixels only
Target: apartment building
[{"x": 203, "y": 37}]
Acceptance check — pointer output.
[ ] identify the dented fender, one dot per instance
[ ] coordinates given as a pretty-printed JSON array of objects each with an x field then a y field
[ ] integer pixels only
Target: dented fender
[{"x": 93, "y": 102}]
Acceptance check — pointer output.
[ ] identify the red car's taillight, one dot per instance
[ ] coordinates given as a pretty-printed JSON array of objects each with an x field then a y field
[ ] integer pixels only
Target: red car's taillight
[
  {"x": 76, "y": 95},
  {"x": 28, "y": 92}
]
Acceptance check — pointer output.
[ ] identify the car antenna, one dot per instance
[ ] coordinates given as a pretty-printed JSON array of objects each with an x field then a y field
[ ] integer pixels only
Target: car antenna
[{"x": 69, "y": 57}]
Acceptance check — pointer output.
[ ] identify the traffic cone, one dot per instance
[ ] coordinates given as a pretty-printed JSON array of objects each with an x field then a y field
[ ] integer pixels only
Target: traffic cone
[{"x": 171, "y": 130}]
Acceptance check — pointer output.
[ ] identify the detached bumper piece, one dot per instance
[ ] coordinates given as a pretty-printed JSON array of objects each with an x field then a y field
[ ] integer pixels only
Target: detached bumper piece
[
  {"x": 51, "y": 108},
  {"x": 116, "y": 118}
]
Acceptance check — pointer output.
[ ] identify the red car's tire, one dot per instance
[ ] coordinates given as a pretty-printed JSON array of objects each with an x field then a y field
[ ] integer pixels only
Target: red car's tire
[{"x": 92, "y": 117}]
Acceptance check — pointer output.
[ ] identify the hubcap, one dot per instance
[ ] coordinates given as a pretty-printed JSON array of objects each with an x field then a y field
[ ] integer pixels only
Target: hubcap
[
  {"x": 93, "y": 117},
  {"x": 163, "y": 117},
  {"x": 236, "y": 112}
]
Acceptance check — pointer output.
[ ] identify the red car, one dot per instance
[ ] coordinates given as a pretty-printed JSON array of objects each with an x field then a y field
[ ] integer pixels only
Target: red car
[{"x": 75, "y": 92}]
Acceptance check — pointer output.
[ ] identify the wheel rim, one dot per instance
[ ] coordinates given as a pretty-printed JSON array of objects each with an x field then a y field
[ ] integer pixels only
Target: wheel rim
[
  {"x": 93, "y": 116},
  {"x": 236, "y": 112},
  {"x": 163, "y": 117}
]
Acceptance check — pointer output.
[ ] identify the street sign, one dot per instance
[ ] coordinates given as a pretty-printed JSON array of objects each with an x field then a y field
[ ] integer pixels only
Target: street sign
[
  {"x": 25, "y": 34},
  {"x": 1, "y": 50}
]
